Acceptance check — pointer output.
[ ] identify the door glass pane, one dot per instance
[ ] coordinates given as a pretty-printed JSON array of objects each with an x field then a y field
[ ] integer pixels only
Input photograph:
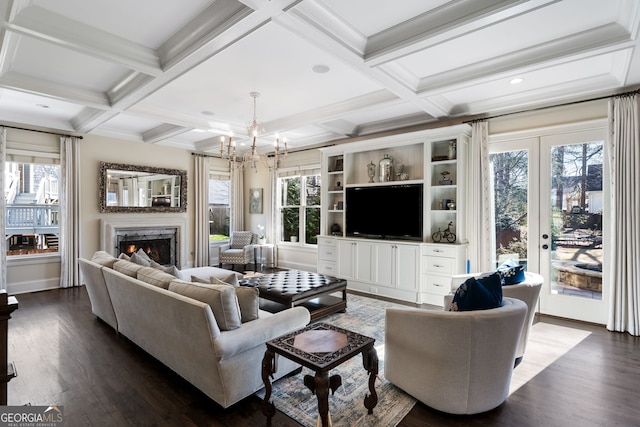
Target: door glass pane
[
  {"x": 576, "y": 219},
  {"x": 511, "y": 192}
]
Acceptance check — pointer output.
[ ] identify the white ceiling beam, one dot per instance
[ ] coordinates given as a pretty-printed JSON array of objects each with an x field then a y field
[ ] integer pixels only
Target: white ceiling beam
[
  {"x": 54, "y": 90},
  {"x": 607, "y": 38},
  {"x": 50, "y": 27},
  {"x": 452, "y": 20},
  {"x": 163, "y": 131}
]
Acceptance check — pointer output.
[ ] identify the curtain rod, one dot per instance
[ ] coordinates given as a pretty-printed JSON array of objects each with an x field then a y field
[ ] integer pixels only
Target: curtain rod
[
  {"x": 565, "y": 104},
  {"x": 43, "y": 131}
]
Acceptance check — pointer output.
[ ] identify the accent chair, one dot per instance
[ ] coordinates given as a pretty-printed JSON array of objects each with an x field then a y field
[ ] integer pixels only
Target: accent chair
[
  {"x": 458, "y": 362},
  {"x": 527, "y": 291},
  {"x": 239, "y": 250}
]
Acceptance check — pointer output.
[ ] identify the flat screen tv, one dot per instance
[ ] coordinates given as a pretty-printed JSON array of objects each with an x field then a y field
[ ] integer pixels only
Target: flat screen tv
[{"x": 385, "y": 212}]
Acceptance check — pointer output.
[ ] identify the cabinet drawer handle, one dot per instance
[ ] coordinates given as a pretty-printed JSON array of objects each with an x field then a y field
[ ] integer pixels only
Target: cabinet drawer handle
[
  {"x": 438, "y": 251},
  {"x": 438, "y": 266},
  {"x": 435, "y": 284}
]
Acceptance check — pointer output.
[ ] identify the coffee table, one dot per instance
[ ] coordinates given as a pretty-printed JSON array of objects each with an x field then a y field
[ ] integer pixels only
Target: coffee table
[
  {"x": 289, "y": 288},
  {"x": 320, "y": 347}
]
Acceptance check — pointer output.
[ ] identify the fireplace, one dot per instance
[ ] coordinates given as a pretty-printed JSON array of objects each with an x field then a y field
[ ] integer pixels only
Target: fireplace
[
  {"x": 164, "y": 238},
  {"x": 158, "y": 244}
]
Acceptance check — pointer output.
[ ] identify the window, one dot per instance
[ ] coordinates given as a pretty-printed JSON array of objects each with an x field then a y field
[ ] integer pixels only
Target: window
[
  {"x": 219, "y": 205},
  {"x": 299, "y": 209},
  {"x": 33, "y": 208}
]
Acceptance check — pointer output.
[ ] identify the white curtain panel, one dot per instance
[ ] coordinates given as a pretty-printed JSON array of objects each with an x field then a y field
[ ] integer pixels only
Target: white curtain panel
[
  {"x": 482, "y": 233},
  {"x": 624, "y": 123},
  {"x": 3, "y": 210},
  {"x": 201, "y": 254},
  {"x": 237, "y": 198},
  {"x": 69, "y": 212}
]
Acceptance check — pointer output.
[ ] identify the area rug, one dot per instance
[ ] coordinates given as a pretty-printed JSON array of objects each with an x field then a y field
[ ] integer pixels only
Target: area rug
[
  {"x": 547, "y": 343},
  {"x": 365, "y": 316}
]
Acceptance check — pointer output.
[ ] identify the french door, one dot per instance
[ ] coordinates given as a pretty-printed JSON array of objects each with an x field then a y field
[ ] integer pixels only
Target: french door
[{"x": 550, "y": 207}]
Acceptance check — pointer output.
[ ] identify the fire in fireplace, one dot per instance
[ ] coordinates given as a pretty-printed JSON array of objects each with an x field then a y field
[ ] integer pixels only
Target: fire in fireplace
[{"x": 160, "y": 246}]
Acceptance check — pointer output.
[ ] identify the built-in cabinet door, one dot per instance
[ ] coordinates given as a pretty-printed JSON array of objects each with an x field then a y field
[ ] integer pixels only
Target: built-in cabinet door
[
  {"x": 407, "y": 271},
  {"x": 363, "y": 254},
  {"x": 383, "y": 264},
  {"x": 346, "y": 250}
]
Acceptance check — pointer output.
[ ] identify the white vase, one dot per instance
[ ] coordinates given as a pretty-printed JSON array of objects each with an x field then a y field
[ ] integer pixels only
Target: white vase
[
  {"x": 262, "y": 241},
  {"x": 294, "y": 239}
]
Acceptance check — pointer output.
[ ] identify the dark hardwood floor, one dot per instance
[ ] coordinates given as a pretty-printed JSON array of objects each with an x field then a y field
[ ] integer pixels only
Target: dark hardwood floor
[{"x": 65, "y": 356}]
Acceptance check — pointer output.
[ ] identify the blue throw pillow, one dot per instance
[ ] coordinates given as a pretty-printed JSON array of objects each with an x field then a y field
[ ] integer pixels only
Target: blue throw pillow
[
  {"x": 478, "y": 294},
  {"x": 511, "y": 272}
]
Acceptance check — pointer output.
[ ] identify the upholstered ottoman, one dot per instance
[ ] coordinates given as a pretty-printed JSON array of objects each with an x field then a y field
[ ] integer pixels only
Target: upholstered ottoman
[{"x": 294, "y": 287}]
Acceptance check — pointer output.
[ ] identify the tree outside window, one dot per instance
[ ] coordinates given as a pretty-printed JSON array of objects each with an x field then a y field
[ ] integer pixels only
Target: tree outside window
[{"x": 300, "y": 209}]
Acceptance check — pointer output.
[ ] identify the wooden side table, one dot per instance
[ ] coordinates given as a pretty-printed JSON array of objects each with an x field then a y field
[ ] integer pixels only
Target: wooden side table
[
  {"x": 258, "y": 249},
  {"x": 320, "y": 347}
]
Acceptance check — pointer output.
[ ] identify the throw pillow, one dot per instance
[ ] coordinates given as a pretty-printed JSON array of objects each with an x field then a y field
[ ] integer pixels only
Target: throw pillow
[
  {"x": 229, "y": 280},
  {"x": 138, "y": 259},
  {"x": 221, "y": 298},
  {"x": 170, "y": 269},
  {"x": 124, "y": 256},
  {"x": 248, "y": 298},
  {"x": 143, "y": 254},
  {"x": 478, "y": 294},
  {"x": 511, "y": 272},
  {"x": 104, "y": 259},
  {"x": 249, "y": 302}
]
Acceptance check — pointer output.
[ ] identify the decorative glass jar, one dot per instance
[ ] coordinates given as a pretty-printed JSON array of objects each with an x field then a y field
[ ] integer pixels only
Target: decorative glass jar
[{"x": 386, "y": 169}]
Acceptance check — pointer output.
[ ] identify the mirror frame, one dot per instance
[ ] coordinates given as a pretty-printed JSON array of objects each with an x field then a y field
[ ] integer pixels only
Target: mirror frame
[{"x": 104, "y": 166}]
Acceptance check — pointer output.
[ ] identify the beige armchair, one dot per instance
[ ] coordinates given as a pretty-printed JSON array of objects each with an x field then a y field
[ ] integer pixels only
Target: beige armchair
[
  {"x": 527, "y": 291},
  {"x": 455, "y": 362},
  {"x": 239, "y": 250}
]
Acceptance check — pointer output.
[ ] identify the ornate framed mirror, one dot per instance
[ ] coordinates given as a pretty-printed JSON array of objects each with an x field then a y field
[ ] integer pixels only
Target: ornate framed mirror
[{"x": 131, "y": 188}]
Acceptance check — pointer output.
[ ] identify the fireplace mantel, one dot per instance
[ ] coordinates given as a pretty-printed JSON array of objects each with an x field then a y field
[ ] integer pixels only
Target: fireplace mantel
[{"x": 109, "y": 228}]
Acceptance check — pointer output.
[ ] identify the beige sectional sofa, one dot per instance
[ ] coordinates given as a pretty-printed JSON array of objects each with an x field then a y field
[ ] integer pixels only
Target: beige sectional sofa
[{"x": 214, "y": 352}]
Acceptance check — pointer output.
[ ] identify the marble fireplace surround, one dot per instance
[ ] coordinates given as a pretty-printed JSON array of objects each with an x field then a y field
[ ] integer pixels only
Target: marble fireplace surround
[{"x": 109, "y": 229}]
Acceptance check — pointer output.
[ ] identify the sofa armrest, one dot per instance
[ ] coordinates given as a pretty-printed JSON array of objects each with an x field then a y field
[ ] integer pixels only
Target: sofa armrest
[{"x": 258, "y": 332}]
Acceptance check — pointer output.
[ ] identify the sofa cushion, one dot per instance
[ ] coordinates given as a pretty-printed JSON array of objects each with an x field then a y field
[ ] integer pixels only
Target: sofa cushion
[
  {"x": 478, "y": 294},
  {"x": 155, "y": 277},
  {"x": 221, "y": 298},
  {"x": 140, "y": 260},
  {"x": 127, "y": 267},
  {"x": 103, "y": 258}
]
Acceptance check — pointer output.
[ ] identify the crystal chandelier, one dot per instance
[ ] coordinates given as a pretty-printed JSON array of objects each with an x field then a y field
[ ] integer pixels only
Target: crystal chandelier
[{"x": 253, "y": 157}]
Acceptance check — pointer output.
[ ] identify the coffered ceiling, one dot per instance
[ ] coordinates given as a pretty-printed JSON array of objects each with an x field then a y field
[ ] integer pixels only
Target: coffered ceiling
[{"x": 179, "y": 73}]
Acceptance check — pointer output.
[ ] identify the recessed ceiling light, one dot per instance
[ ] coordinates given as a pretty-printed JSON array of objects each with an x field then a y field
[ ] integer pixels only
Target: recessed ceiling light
[
  {"x": 516, "y": 80},
  {"x": 320, "y": 69},
  {"x": 42, "y": 105},
  {"x": 208, "y": 113}
]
